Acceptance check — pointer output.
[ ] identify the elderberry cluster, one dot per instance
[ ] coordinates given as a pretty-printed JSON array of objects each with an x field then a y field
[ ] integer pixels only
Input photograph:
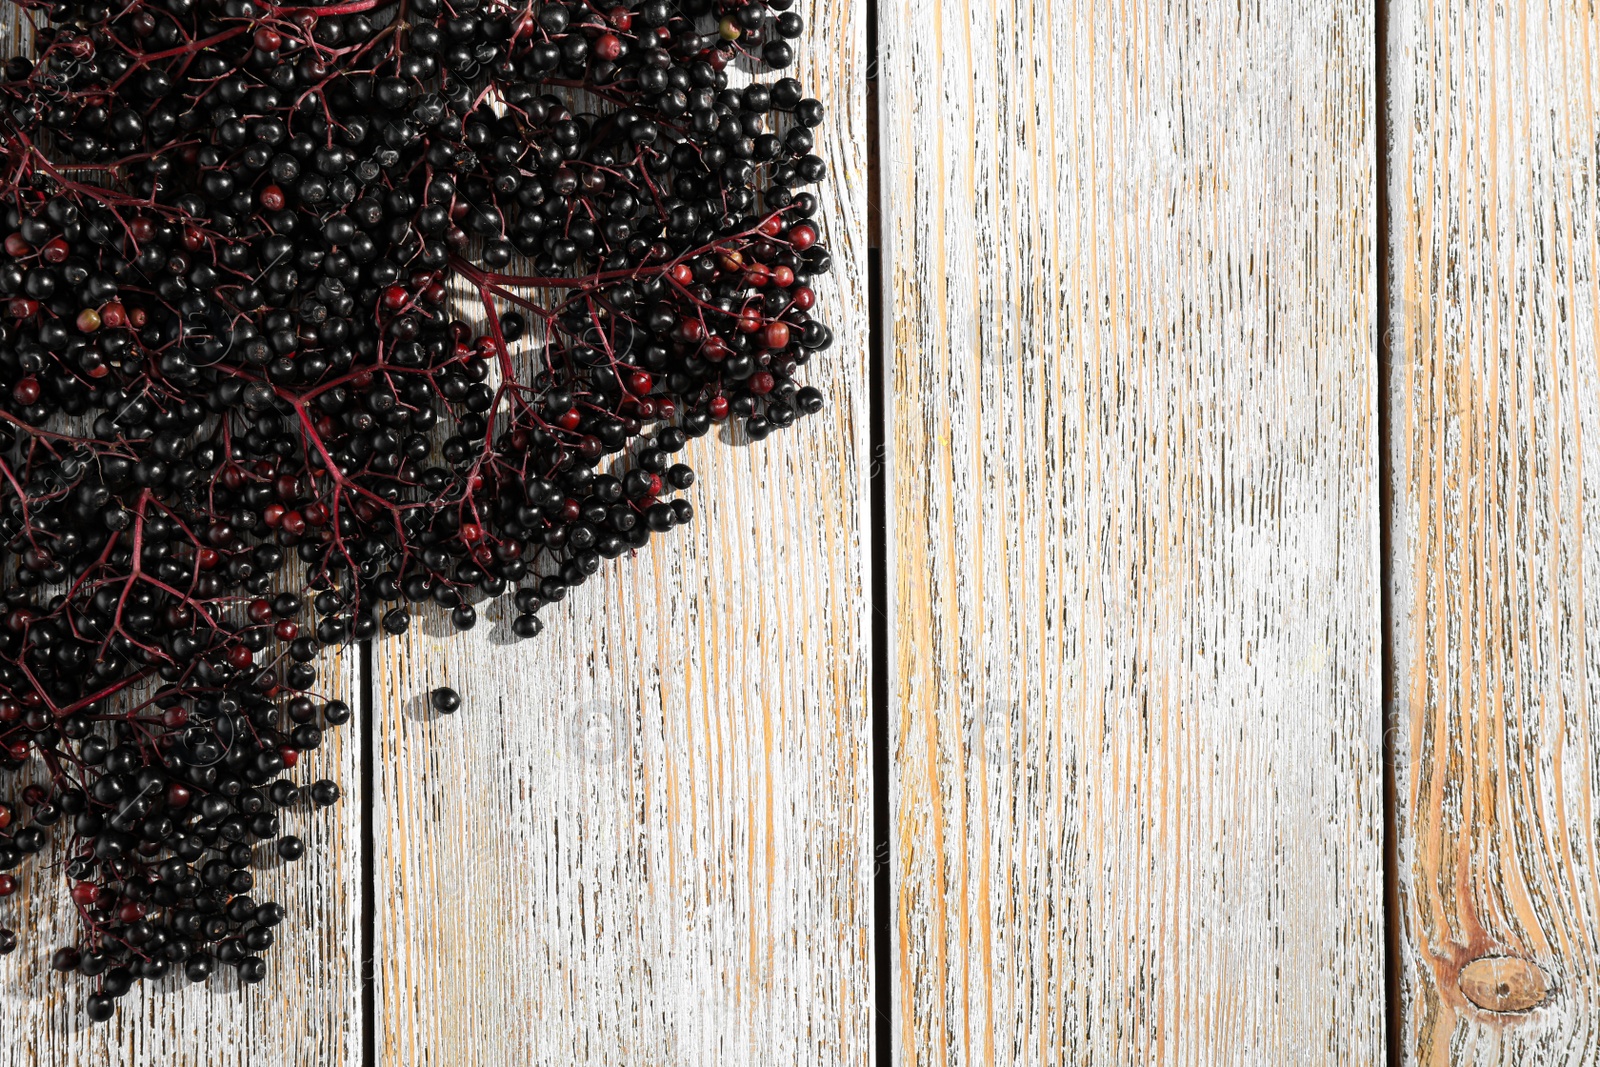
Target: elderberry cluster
[{"x": 243, "y": 416}]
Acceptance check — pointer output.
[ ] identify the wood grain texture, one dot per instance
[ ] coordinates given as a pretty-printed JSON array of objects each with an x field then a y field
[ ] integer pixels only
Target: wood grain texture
[
  {"x": 307, "y": 1012},
  {"x": 1494, "y": 386},
  {"x": 1136, "y": 776},
  {"x": 645, "y": 839}
]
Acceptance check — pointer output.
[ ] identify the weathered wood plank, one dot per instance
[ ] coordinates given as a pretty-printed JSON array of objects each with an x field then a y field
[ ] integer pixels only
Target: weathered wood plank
[
  {"x": 646, "y": 836},
  {"x": 1136, "y": 769},
  {"x": 308, "y": 1011},
  {"x": 1493, "y": 387}
]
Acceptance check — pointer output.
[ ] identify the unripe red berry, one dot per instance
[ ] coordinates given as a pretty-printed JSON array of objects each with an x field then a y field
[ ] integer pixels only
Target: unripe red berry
[{"x": 776, "y": 335}]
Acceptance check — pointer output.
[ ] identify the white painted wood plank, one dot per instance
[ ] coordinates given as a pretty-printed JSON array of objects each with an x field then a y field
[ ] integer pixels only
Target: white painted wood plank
[
  {"x": 307, "y": 1011},
  {"x": 646, "y": 836},
  {"x": 1494, "y": 393},
  {"x": 1136, "y": 777}
]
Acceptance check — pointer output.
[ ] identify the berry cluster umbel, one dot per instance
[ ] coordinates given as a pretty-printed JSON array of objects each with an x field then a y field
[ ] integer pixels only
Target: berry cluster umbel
[{"x": 235, "y": 238}]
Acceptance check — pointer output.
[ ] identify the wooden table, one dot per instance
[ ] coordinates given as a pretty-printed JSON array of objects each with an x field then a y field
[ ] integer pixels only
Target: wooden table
[{"x": 1199, "y": 513}]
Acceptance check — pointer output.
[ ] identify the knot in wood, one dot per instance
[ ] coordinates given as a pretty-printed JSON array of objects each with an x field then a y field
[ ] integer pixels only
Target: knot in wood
[{"x": 1504, "y": 984}]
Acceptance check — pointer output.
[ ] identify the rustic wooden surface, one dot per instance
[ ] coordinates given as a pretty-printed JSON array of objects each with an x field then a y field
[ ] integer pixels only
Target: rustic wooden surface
[
  {"x": 1136, "y": 776},
  {"x": 1135, "y": 786},
  {"x": 646, "y": 837},
  {"x": 1493, "y": 385}
]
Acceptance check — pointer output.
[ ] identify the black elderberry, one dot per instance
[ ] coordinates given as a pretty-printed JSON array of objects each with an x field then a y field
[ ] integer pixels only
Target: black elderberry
[{"x": 266, "y": 346}]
